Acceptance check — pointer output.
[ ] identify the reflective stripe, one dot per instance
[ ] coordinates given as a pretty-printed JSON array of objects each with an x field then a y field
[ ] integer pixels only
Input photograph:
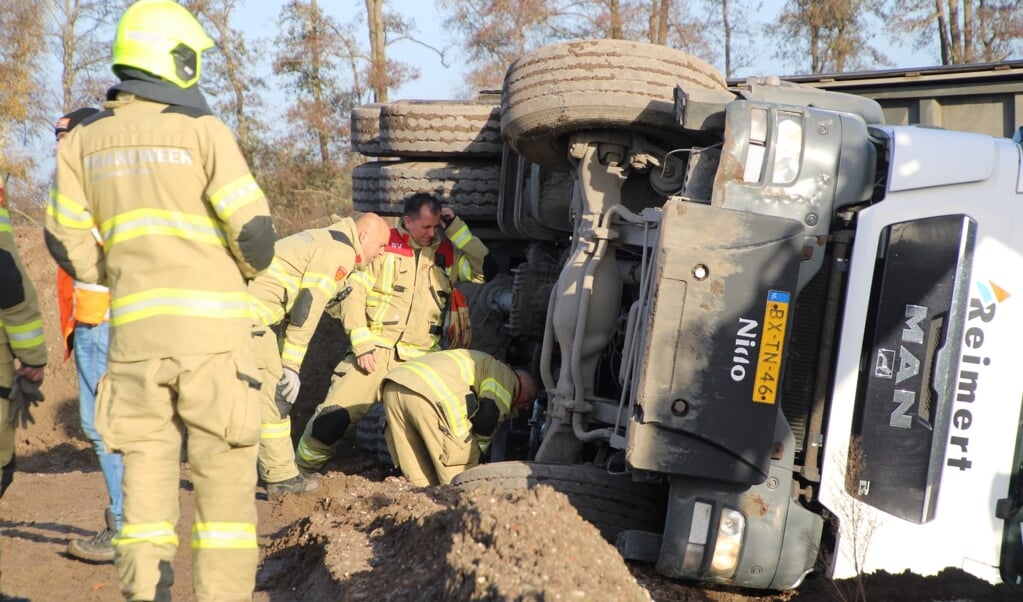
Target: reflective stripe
[
  {"x": 180, "y": 302},
  {"x": 5, "y": 220},
  {"x": 461, "y": 237},
  {"x": 159, "y": 222},
  {"x": 407, "y": 351},
  {"x": 490, "y": 387},
  {"x": 290, "y": 283},
  {"x": 275, "y": 430},
  {"x": 323, "y": 282},
  {"x": 310, "y": 455},
  {"x": 67, "y": 212},
  {"x": 451, "y": 405},
  {"x": 161, "y": 533},
  {"x": 360, "y": 336},
  {"x": 232, "y": 197},
  {"x": 25, "y": 336},
  {"x": 464, "y": 268},
  {"x": 267, "y": 315},
  {"x": 362, "y": 278},
  {"x": 224, "y": 536},
  {"x": 292, "y": 353}
]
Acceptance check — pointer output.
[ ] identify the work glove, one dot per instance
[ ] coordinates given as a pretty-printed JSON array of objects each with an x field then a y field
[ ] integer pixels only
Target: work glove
[
  {"x": 24, "y": 394},
  {"x": 287, "y": 391},
  {"x": 457, "y": 328}
]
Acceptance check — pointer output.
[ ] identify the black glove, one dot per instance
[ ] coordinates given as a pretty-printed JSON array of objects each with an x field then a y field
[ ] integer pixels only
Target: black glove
[{"x": 24, "y": 395}]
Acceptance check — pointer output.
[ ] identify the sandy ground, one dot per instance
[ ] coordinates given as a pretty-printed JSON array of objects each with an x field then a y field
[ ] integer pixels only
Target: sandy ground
[{"x": 366, "y": 535}]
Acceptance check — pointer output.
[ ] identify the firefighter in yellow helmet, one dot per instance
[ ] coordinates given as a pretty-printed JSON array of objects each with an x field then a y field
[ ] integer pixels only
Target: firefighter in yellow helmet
[
  {"x": 21, "y": 339},
  {"x": 184, "y": 226},
  {"x": 394, "y": 313},
  {"x": 307, "y": 271},
  {"x": 444, "y": 408}
]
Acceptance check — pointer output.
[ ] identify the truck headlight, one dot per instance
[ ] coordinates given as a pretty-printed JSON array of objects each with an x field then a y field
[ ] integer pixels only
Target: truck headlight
[
  {"x": 788, "y": 148},
  {"x": 731, "y": 527}
]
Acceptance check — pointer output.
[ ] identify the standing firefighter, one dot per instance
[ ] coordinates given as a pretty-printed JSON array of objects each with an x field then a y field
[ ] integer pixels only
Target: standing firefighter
[
  {"x": 183, "y": 226},
  {"x": 306, "y": 272},
  {"x": 443, "y": 409},
  {"x": 21, "y": 338},
  {"x": 394, "y": 313}
]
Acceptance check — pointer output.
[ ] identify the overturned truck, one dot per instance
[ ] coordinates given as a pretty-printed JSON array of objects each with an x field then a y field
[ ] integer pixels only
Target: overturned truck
[{"x": 776, "y": 335}]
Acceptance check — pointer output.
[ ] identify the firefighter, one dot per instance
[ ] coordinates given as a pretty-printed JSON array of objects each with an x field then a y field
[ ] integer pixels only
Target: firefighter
[
  {"x": 183, "y": 226},
  {"x": 21, "y": 339},
  {"x": 307, "y": 270},
  {"x": 444, "y": 408},
  {"x": 84, "y": 324},
  {"x": 394, "y": 313}
]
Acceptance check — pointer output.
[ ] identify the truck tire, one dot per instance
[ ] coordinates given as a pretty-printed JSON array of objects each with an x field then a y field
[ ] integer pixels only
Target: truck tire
[
  {"x": 369, "y": 436},
  {"x": 365, "y": 126},
  {"x": 469, "y": 188},
  {"x": 611, "y": 502},
  {"x": 425, "y": 128},
  {"x": 596, "y": 84}
]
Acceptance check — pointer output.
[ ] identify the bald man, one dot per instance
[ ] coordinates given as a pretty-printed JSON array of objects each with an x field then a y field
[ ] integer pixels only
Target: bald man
[{"x": 308, "y": 270}]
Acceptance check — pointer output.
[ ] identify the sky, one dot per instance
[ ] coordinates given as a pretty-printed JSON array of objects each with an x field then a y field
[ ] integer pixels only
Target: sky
[{"x": 439, "y": 82}]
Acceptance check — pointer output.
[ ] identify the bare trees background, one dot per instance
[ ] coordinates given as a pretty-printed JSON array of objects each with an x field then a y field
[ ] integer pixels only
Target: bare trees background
[{"x": 288, "y": 94}]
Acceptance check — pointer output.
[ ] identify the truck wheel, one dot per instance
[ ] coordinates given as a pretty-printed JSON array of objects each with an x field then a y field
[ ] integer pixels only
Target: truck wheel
[
  {"x": 596, "y": 84},
  {"x": 369, "y": 436},
  {"x": 365, "y": 126},
  {"x": 424, "y": 128},
  {"x": 611, "y": 502},
  {"x": 469, "y": 188}
]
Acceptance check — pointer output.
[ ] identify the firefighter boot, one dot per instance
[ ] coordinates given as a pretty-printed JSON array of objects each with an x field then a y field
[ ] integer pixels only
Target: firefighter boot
[
  {"x": 98, "y": 548},
  {"x": 299, "y": 484}
]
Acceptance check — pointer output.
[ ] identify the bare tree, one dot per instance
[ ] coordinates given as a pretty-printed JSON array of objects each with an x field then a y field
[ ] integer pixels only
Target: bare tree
[
  {"x": 79, "y": 34},
  {"x": 22, "y": 50},
  {"x": 236, "y": 90},
  {"x": 832, "y": 34},
  {"x": 967, "y": 31}
]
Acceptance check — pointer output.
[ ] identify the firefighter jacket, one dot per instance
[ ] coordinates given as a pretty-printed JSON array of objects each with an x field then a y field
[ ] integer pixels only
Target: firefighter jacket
[
  {"x": 472, "y": 390},
  {"x": 21, "y": 326},
  {"x": 306, "y": 272},
  {"x": 182, "y": 221},
  {"x": 399, "y": 300},
  {"x": 79, "y": 302}
]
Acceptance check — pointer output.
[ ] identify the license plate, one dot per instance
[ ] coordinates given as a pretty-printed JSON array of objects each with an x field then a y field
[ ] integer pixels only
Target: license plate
[{"x": 772, "y": 344}]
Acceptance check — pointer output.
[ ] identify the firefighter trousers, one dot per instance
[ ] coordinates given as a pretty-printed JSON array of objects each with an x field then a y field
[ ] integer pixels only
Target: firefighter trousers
[
  {"x": 418, "y": 439},
  {"x": 351, "y": 389},
  {"x": 144, "y": 410},
  {"x": 276, "y": 452}
]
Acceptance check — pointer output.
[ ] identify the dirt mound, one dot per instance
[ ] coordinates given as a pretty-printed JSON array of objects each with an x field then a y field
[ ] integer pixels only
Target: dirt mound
[{"x": 382, "y": 540}]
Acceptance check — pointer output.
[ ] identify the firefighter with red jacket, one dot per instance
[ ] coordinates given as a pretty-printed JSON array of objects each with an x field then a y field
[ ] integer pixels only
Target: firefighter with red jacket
[
  {"x": 184, "y": 226},
  {"x": 444, "y": 408},
  {"x": 394, "y": 313},
  {"x": 306, "y": 273},
  {"x": 22, "y": 345}
]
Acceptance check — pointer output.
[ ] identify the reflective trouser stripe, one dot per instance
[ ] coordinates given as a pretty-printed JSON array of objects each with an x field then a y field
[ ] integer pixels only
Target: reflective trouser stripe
[
  {"x": 308, "y": 454},
  {"x": 161, "y": 533},
  {"x": 224, "y": 536},
  {"x": 276, "y": 430}
]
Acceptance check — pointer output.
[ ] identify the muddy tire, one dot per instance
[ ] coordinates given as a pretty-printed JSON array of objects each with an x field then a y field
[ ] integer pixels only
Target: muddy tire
[
  {"x": 369, "y": 436},
  {"x": 612, "y": 503},
  {"x": 469, "y": 188},
  {"x": 596, "y": 84},
  {"x": 365, "y": 126},
  {"x": 424, "y": 128}
]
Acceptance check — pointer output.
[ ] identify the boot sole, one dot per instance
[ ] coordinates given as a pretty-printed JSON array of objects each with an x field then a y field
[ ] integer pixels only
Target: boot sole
[{"x": 75, "y": 551}]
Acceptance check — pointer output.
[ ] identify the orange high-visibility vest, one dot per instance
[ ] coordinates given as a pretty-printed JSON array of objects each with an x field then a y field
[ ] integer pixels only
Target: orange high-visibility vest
[{"x": 79, "y": 302}]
